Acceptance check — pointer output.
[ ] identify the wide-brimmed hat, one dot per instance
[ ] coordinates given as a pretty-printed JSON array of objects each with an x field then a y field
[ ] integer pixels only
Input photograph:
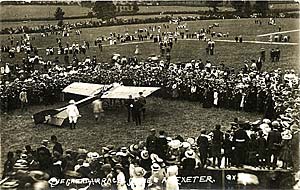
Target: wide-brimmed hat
[
  {"x": 133, "y": 148},
  {"x": 106, "y": 167},
  {"x": 118, "y": 166},
  {"x": 86, "y": 164},
  {"x": 287, "y": 135},
  {"x": 72, "y": 102},
  {"x": 82, "y": 151},
  {"x": 155, "y": 167},
  {"x": 189, "y": 154},
  {"x": 186, "y": 145},
  {"x": 24, "y": 156},
  {"x": 38, "y": 175},
  {"x": 275, "y": 124},
  {"x": 171, "y": 160},
  {"x": 123, "y": 149},
  {"x": 139, "y": 171},
  {"x": 123, "y": 154},
  {"x": 190, "y": 140},
  {"x": 45, "y": 142},
  {"x": 10, "y": 185},
  {"x": 105, "y": 149},
  {"x": 175, "y": 144},
  {"x": 267, "y": 121},
  {"x": 20, "y": 166},
  {"x": 93, "y": 155},
  {"x": 145, "y": 154},
  {"x": 71, "y": 173}
]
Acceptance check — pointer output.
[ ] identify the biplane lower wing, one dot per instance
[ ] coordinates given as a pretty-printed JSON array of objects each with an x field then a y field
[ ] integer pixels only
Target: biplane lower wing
[
  {"x": 58, "y": 116},
  {"x": 92, "y": 91}
]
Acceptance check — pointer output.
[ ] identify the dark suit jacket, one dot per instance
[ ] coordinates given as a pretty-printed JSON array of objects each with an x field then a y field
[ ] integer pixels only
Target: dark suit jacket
[
  {"x": 58, "y": 148},
  {"x": 202, "y": 143},
  {"x": 274, "y": 140}
]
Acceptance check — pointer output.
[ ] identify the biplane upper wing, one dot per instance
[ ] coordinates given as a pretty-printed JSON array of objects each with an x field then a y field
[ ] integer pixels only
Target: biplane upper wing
[
  {"x": 84, "y": 89},
  {"x": 92, "y": 91},
  {"x": 123, "y": 92},
  {"x": 112, "y": 91}
]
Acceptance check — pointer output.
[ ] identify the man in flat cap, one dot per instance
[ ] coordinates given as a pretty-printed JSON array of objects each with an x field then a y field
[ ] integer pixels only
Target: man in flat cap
[
  {"x": 240, "y": 140},
  {"x": 273, "y": 144}
]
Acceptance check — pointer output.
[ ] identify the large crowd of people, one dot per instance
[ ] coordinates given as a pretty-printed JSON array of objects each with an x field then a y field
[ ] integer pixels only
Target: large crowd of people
[
  {"x": 260, "y": 144},
  {"x": 263, "y": 144},
  {"x": 276, "y": 94}
]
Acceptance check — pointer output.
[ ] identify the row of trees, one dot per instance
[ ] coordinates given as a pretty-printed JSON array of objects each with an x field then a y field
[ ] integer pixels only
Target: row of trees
[{"x": 107, "y": 9}]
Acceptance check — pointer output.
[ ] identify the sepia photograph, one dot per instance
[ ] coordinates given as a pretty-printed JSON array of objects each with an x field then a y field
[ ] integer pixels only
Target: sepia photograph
[{"x": 149, "y": 95}]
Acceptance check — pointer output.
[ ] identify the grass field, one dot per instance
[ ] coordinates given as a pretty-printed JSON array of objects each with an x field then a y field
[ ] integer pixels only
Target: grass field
[
  {"x": 151, "y": 9},
  {"x": 71, "y": 21},
  {"x": 175, "y": 117},
  {"x": 186, "y": 50},
  {"x": 39, "y": 11}
]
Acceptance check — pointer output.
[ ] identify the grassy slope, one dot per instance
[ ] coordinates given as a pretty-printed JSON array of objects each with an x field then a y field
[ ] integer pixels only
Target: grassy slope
[
  {"x": 150, "y": 9},
  {"x": 175, "y": 117},
  {"x": 178, "y": 117},
  {"x": 39, "y": 11},
  {"x": 186, "y": 50}
]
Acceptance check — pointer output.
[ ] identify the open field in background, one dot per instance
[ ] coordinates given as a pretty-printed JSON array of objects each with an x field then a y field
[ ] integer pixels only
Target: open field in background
[
  {"x": 234, "y": 27},
  {"x": 71, "y": 21},
  {"x": 188, "y": 50},
  {"x": 175, "y": 117},
  {"x": 151, "y": 9},
  {"x": 42, "y": 11},
  {"x": 231, "y": 54},
  {"x": 39, "y": 11}
]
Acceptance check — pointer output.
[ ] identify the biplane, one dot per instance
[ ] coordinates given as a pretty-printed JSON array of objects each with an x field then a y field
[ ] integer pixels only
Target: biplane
[{"x": 90, "y": 92}]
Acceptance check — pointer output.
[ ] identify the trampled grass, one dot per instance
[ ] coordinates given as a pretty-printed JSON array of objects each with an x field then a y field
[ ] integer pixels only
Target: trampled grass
[{"x": 175, "y": 117}]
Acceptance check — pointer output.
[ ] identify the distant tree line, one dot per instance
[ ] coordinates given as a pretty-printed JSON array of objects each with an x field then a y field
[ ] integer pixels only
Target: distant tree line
[
  {"x": 38, "y": 3},
  {"x": 107, "y": 9}
]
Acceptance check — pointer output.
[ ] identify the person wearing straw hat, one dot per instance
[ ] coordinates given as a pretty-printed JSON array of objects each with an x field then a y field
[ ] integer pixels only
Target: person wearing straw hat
[
  {"x": 156, "y": 179},
  {"x": 121, "y": 181},
  {"x": 23, "y": 99},
  {"x": 73, "y": 114},
  {"x": 188, "y": 163},
  {"x": 138, "y": 181},
  {"x": 172, "y": 182},
  {"x": 286, "y": 154}
]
